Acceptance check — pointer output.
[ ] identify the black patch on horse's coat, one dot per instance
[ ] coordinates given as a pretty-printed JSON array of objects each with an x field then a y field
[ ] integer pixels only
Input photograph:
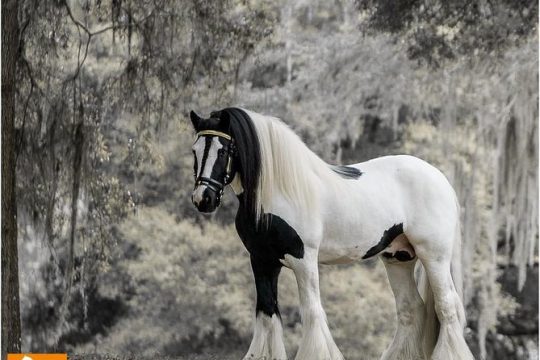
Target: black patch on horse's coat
[
  {"x": 220, "y": 166},
  {"x": 398, "y": 255},
  {"x": 347, "y": 172},
  {"x": 388, "y": 236},
  {"x": 266, "y": 246},
  {"x": 269, "y": 243},
  {"x": 266, "y": 281},
  {"x": 403, "y": 256}
]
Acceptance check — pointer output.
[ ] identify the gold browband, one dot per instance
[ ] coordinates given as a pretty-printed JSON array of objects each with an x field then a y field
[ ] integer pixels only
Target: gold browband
[{"x": 214, "y": 133}]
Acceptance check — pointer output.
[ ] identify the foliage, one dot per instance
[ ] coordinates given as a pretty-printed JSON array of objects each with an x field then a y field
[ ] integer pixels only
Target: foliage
[
  {"x": 441, "y": 30},
  {"x": 160, "y": 259},
  {"x": 80, "y": 75}
]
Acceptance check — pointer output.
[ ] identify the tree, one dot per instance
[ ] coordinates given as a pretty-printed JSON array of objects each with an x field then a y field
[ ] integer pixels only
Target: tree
[
  {"x": 436, "y": 31},
  {"x": 73, "y": 125},
  {"x": 11, "y": 323}
]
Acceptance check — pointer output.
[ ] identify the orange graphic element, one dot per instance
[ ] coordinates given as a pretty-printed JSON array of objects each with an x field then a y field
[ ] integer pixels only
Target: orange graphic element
[{"x": 37, "y": 357}]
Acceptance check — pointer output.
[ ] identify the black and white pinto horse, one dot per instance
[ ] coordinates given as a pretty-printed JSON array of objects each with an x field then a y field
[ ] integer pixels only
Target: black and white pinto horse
[{"x": 297, "y": 211}]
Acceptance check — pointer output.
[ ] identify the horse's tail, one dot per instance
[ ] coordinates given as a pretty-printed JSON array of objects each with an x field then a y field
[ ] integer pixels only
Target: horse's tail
[
  {"x": 456, "y": 270},
  {"x": 431, "y": 322},
  {"x": 457, "y": 275}
]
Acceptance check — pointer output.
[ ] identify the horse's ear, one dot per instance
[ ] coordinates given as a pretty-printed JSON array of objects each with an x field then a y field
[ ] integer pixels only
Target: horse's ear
[{"x": 195, "y": 119}]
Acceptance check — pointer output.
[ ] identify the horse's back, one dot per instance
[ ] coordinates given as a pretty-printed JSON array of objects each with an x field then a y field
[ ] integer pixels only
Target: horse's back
[
  {"x": 409, "y": 173},
  {"x": 426, "y": 196},
  {"x": 415, "y": 190}
]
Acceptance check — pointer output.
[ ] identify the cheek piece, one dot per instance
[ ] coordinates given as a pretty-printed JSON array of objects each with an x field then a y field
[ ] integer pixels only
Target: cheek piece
[{"x": 218, "y": 185}]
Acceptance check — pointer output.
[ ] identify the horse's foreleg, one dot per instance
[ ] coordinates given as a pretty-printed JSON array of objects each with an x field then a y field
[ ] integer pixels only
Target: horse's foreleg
[
  {"x": 267, "y": 340},
  {"x": 407, "y": 343},
  {"x": 317, "y": 342}
]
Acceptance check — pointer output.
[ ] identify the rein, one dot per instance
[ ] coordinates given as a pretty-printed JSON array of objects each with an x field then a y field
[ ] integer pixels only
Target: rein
[{"x": 230, "y": 149}]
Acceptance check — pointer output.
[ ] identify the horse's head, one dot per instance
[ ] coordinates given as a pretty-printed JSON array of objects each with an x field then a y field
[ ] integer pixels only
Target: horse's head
[{"x": 214, "y": 154}]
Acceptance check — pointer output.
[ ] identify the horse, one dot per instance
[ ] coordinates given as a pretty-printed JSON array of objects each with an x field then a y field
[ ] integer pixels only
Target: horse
[{"x": 296, "y": 210}]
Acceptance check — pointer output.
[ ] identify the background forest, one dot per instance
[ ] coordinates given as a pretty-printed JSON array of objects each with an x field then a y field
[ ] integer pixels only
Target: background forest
[{"x": 113, "y": 258}]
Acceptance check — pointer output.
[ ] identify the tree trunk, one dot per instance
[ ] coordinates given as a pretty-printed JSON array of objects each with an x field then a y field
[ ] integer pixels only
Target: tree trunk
[{"x": 11, "y": 322}]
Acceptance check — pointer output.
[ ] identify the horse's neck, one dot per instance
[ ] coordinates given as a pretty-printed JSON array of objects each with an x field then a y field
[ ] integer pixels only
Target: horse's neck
[{"x": 236, "y": 185}]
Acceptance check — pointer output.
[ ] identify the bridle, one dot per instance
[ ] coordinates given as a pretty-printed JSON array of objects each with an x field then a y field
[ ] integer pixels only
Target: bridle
[{"x": 231, "y": 151}]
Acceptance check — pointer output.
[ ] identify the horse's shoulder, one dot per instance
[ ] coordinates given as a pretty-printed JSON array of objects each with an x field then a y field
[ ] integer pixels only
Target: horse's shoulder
[{"x": 272, "y": 238}]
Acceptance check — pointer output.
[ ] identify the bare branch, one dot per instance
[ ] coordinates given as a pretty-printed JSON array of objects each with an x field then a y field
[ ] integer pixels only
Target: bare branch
[
  {"x": 75, "y": 21},
  {"x": 80, "y": 25}
]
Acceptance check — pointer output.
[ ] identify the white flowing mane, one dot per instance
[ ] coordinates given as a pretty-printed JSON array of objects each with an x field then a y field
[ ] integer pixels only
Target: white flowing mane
[{"x": 288, "y": 166}]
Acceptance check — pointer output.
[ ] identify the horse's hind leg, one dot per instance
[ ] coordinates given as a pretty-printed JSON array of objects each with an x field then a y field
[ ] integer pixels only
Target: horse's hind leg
[
  {"x": 407, "y": 343},
  {"x": 317, "y": 342},
  {"x": 267, "y": 340},
  {"x": 450, "y": 343}
]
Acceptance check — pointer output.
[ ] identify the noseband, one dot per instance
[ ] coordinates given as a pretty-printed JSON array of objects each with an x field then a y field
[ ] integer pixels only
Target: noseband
[{"x": 215, "y": 185}]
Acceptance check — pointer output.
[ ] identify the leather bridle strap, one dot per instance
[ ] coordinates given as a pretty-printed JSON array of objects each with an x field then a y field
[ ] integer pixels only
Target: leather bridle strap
[
  {"x": 214, "y": 133},
  {"x": 212, "y": 184}
]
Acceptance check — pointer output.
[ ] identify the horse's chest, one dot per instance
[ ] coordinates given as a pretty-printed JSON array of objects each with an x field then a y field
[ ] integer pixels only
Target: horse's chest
[{"x": 271, "y": 241}]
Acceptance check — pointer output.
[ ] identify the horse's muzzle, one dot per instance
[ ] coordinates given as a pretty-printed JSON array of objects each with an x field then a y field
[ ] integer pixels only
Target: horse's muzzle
[{"x": 205, "y": 199}]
